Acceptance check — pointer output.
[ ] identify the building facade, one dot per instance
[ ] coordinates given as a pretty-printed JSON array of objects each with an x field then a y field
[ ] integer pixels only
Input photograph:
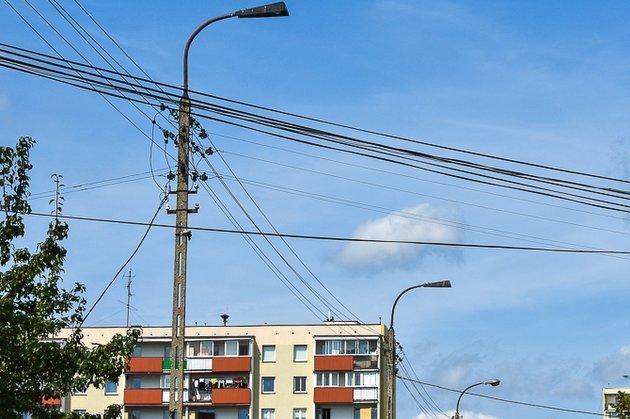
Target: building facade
[
  {"x": 333, "y": 370},
  {"x": 609, "y": 397}
]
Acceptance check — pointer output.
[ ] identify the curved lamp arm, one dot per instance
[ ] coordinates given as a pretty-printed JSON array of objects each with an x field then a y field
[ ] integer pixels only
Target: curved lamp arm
[
  {"x": 438, "y": 284},
  {"x": 493, "y": 383}
]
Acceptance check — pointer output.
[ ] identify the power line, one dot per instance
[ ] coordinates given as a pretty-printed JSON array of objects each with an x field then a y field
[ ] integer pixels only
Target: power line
[
  {"x": 392, "y": 153},
  {"x": 343, "y": 239},
  {"x": 376, "y": 133},
  {"x": 144, "y": 236},
  {"x": 499, "y": 399}
]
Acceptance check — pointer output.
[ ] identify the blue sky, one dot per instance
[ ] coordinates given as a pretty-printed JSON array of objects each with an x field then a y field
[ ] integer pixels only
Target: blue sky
[{"x": 541, "y": 81}]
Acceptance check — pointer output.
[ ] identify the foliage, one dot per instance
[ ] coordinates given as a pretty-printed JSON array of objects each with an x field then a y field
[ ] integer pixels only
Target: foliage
[
  {"x": 622, "y": 407},
  {"x": 34, "y": 308}
]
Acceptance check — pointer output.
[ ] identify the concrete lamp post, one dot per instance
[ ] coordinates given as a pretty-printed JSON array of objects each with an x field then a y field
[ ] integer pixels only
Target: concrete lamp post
[
  {"x": 493, "y": 383},
  {"x": 182, "y": 234},
  {"x": 391, "y": 347}
]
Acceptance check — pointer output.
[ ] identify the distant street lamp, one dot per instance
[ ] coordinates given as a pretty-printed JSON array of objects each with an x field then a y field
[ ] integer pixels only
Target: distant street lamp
[
  {"x": 391, "y": 343},
  {"x": 493, "y": 383},
  {"x": 182, "y": 234}
]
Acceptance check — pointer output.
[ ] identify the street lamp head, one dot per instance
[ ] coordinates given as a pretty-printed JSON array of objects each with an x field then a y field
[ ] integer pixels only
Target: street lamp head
[
  {"x": 493, "y": 383},
  {"x": 269, "y": 10},
  {"x": 438, "y": 284}
]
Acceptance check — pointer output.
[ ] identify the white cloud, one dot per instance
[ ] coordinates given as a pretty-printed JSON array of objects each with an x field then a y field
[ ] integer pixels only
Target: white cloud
[
  {"x": 451, "y": 413},
  {"x": 420, "y": 223}
]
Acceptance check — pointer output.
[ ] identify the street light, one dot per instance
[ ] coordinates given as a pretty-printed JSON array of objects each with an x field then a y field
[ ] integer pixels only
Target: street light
[
  {"x": 493, "y": 383},
  {"x": 182, "y": 234},
  {"x": 391, "y": 372}
]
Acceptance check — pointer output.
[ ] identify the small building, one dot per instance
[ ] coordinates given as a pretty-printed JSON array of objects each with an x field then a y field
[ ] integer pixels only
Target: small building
[
  {"x": 609, "y": 397},
  {"x": 333, "y": 370}
]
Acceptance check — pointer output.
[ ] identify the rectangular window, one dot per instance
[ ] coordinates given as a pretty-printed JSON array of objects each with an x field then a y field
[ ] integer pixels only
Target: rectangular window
[
  {"x": 79, "y": 392},
  {"x": 231, "y": 348},
  {"x": 136, "y": 383},
  {"x": 243, "y": 347},
  {"x": 268, "y": 384},
  {"x": 137, "y": 351},
  {"x": 268, "y": 414},
  {"x": 111, "y": 387},
  {"x": 243, "y": 413},
  {"x": 218, "y": 349},
  {"x": 322, "y": 413},
  {"x": 269, "y": 353},
  {"x": 300, "y": 353},
  {"x": 299, "y": 384},
  {"x": 135, "y": 414},
  {"x": 299, "y": 413},
  {"x": 167, "y": 352},
  {"x": 165, "y": 381},
  {"x": 78, "y": 411}
]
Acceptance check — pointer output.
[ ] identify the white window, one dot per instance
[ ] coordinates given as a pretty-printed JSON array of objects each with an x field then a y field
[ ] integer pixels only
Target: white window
[
  {"x": 111, "y": 387},
  {"x": 299, "y": 384},
  {"x": 231, "y": 347},
  {"x": 199, "y": 348},
  {"x": 300, "y": 353},
  {"x": 79, "y": 392},
  {"x": 299, "y": 413},
  {"x": 269, "y": 353},
  {"x": 268, "y": 384},
  {"x": 268, "y": 414},
  {"x": 165, "y": 381}
]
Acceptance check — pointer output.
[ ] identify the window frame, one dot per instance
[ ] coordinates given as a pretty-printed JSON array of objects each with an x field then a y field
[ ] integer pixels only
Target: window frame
[
  {"x": 111, "y": 393},
  {"x": 262, "y": 384},
  {"x": 302, "y": 380},
  {"x": 271, "y": 413},
  {"x": 262, "y": 354},
  {"x": 303, "y": 412},
  {"x": 295, "y": 347}
]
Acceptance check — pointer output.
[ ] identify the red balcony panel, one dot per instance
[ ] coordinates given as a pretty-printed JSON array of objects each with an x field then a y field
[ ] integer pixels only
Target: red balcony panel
[
  {"x": 52, "y": 401},
  {"x": 334, "y": 363},
  {"x": 143, "y": 396},
  {"x": 231, "y": 396},
  {"x": 144, "y": 364},
  {"x": 231, "y": 364},
  {"x": 333, "y": 395}
]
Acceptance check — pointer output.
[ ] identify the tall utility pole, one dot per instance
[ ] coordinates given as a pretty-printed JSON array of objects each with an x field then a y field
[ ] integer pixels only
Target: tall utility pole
[{"x": 182, "y": 234}]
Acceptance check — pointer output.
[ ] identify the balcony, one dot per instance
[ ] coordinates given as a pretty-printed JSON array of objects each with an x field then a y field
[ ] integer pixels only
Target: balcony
[
  {"x": 333, "y": 395},
  {"x": 143, "y": 396},
  {"x": 334, "y": 363},
  {"x": 144, "y": 365},
  {"x": 360, "y": 394},
  {"x": 166, "y": 364},
  {"x": 365, "y": 362},
  {"x": 231, "y": 396},
  {"x": 199, "y": 364},
  {"x": 231, "y": 364}
]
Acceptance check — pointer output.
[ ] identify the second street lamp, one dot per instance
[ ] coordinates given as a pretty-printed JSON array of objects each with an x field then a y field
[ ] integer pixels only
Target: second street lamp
[
  {"x": 391, "y": 347},
  {"x": 182, "y": 234},
  {"x": 495, "y": 382}
]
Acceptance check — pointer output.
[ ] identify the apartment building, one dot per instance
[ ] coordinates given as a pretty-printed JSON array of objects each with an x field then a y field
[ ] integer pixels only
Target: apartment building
[
  {"x": 332, "y": 370},
  {"x": 609, "y": 397}
]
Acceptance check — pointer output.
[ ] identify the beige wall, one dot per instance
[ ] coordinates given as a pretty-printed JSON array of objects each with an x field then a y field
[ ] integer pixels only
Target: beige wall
[{"x": 284, "y": 337}]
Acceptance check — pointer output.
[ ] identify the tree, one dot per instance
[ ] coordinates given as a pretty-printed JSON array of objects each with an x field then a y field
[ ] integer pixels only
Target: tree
[
  {"x": 34, "y": 308},
  {"x": 622, "y": 406}
]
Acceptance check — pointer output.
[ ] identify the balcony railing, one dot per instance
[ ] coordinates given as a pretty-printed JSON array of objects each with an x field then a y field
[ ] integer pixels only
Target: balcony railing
[
  {"x": 143, "y": 397},
  {"x": 364, "y": 394},
  {"x": 334, "y": 363},
  {"x": 365, "y": 362},
  {"x": 333, "y": 395}
]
